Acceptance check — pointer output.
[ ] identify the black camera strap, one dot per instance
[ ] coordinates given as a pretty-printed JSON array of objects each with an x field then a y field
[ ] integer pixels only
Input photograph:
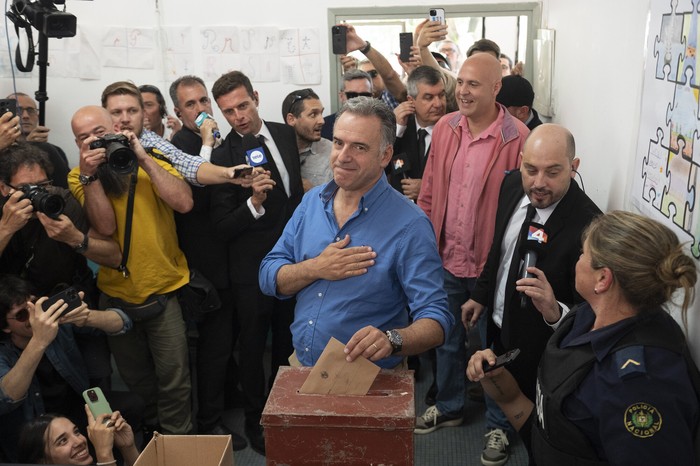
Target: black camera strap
[{"x": 129, "y": 217}]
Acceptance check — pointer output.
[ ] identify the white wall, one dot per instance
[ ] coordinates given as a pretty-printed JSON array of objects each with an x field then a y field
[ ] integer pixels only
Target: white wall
[{"x": 597, "y": 81}]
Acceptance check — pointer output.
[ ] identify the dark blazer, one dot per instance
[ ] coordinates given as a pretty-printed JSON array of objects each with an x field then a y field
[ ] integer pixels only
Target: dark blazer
[
  {"x": 204, "y": 250},
  {"x": 525, "y": 328},
  {"x": 328, "y": 124},
  {"x": 406, "y": 147},
  {"x": 249, "y": 240}
]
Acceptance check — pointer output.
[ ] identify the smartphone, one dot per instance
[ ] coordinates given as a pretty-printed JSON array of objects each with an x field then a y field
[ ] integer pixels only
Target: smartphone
[
  {"x": 502, "y": 360},
  {"x": 437, "y": 14},
  {"x": 8, "y": 105},
  {"x": 69, "y": 295},
  {"x": 97, "y": 402},
  {"x": 240, "y": 172},
  {"x": 405, "y": 42},
  {"x": 339, "y": 37}
]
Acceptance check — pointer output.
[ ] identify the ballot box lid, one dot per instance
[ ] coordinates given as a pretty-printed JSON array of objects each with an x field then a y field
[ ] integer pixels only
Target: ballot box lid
[{"x": 389, "y": 404}]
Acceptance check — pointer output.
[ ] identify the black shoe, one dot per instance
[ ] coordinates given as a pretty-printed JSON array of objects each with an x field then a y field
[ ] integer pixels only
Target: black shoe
[
  {"x": 431, "y": 394},
  {"x": 254, "y": 432},
  {"x": 237, "y": 441}
]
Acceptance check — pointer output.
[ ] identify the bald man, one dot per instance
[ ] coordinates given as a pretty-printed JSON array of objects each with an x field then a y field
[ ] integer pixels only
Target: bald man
[
  {"x": 545, "y": 181},
  {"x": 470, "y": 152}
]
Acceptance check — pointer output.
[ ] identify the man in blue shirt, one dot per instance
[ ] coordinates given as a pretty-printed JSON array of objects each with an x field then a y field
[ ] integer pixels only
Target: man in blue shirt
[{"x": 356, "y": 253}]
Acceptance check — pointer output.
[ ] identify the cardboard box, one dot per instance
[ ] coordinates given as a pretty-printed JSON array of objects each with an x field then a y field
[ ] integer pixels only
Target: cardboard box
[
  {"x": 187, "y": 450},
  {"x": 376, "y": 428}
]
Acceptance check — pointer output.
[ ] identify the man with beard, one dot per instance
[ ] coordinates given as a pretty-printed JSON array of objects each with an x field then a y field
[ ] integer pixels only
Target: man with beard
[
  {"x": 415, "y": 120},
  {"x": 152, "y": 358},
  {"x": 303, "y": 111},
  {"x": 545, "y": 182}
]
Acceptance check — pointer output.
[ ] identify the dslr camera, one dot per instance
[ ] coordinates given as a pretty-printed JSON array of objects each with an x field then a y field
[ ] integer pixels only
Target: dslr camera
[
  {"x": 42, "y": 201},
  {"x": 120, "y": 158}
]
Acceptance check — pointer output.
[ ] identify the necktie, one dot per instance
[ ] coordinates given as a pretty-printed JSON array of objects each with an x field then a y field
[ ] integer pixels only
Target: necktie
[
  {"x": 270, "y": 162},
  {"x": 421, "y": 146},
  {"x": 513, "y": 275}
]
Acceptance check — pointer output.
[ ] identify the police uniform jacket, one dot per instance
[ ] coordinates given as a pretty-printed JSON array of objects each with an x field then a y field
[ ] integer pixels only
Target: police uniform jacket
[{"x": 624, "y": 394}]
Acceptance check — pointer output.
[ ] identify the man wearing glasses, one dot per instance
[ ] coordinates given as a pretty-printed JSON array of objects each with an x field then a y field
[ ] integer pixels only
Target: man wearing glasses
[
  {"x": 303, "y": 111},
  {"x": 356, "y": 83},
  {"x": 30, "y": 131},
  {"x": 46, "y": 251}
]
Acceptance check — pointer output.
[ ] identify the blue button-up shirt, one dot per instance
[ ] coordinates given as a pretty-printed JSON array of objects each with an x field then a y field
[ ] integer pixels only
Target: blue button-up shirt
[
  {"x": 407, "y": 270},
  {"x": 187, "y": 165}
]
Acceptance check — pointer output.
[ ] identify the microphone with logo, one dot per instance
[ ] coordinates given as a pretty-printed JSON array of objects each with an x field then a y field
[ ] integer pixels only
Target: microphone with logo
[
  {"x": 399, "y": 166},
  {"x": 254, "y": 152},
  {"x": 532, "y": 246}
]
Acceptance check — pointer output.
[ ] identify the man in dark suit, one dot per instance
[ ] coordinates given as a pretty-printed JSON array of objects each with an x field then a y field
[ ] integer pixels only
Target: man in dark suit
[
  {"x": 415, "y": 119},
  {"x": 356, "y": 83},
  {"x": 545, "y": 182},
  {"x": 251, "y": 220}
]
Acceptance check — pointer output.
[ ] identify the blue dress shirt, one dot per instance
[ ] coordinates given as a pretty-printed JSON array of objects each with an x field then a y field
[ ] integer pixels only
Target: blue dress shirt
[{"x": 407, "y": 270}]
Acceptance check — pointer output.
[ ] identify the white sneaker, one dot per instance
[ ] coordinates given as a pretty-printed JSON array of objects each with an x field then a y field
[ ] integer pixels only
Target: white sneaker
[{"x": 495, "y": 451}]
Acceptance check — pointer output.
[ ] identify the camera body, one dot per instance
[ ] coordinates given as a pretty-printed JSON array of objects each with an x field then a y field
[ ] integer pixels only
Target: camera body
[
  {"x": 42, "y": 201},
  {"x": 120, "y": 157}
]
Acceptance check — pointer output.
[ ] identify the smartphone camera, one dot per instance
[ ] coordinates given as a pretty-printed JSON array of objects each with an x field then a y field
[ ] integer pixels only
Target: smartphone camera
[
  {"x": 92, "y": 396},
  {"x": 433, "y": 13}
]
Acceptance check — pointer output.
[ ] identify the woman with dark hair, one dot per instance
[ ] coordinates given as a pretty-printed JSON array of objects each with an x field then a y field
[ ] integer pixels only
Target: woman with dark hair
[
  {"x": 616, "y": 384},
  {"x": 54, "y": 439}
]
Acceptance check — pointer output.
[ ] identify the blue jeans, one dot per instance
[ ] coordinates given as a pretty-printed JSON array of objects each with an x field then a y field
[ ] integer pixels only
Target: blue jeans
[
  {"x": 495, "y": 419},
  {"x": 451, "y": 357}
]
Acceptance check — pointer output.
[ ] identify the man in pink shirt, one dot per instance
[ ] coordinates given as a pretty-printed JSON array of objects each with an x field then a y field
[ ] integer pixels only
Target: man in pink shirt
[{"x": 470, "y": 152}]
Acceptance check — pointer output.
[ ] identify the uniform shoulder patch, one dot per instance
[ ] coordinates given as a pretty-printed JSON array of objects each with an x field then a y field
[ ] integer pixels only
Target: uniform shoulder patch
[
  {"x": 630, "y": 362},
  {"x": 642, "y": 420}
]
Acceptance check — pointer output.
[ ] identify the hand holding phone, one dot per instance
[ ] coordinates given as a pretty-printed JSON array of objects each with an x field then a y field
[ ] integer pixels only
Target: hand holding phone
[
  {"x": 241, "y": 172},
  {"x": 70, "y": 296},
  {"x": 502, "y": 360},
  {"x": 8, "y": 105},
  {"x": 437, "y": 14},
  {"x": 340, "y": 40},
  {"x": 405, "y": 43},
  {"x": 97, "y": 403}
]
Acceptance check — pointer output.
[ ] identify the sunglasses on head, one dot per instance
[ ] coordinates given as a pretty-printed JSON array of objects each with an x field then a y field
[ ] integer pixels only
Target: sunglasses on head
[
  {"x": 21, "y": 316},
  {"x": 352, "y": 95},
  {"x": 373, "y": 73}
]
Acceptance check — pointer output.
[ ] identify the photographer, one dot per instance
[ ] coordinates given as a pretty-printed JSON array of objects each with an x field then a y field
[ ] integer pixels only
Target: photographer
[
  {"x": 48, "y": 250},
  {"x": 41, "y": 367}
]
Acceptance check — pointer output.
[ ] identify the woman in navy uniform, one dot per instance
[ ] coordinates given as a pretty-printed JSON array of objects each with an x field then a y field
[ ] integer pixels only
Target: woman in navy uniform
[{"x": 616, "y": 384}]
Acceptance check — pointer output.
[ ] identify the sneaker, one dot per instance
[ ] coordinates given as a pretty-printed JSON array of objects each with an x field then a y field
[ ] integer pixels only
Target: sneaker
[
  {"x": 432, "y": 419},
  {"x": 495, "y": 451}
]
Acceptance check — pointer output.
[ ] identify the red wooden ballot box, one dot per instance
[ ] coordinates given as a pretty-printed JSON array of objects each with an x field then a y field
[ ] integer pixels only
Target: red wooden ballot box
[{"x": 374, "y": 429}]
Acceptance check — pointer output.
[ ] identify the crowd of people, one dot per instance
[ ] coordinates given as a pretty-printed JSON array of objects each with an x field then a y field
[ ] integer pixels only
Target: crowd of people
[{"x": 395, "y": 225}]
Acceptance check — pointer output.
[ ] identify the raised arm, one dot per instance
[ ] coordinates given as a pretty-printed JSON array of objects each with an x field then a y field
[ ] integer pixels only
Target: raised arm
[{"x": 92, "y": 195}]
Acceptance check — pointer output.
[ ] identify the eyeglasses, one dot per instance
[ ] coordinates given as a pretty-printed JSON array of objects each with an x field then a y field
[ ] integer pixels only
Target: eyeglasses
[
  {"x": 21, "y": 316},
  {"x": 373, "y": 73},
  {"x": 31, "y": 111},
  {"x": 352, "y": 95},
  {"x": 23, "y": 187}
]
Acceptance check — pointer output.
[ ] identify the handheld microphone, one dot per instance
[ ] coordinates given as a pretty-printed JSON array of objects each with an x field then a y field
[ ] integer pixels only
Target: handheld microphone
[
  {"x": 200, "y": 119},
  {"x": 400, "y": 165},
  {"x": 255, "y": 154},
  {"x": 532, "y": 245}
]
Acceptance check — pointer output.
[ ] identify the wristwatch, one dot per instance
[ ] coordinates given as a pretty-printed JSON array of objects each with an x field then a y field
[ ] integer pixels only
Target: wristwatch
[
  {"x": 396, "y": 340},
  {"x": 366, "y": 48},
  {"x": 86, "y": 180},
  {"x": 82, "y": 247}
]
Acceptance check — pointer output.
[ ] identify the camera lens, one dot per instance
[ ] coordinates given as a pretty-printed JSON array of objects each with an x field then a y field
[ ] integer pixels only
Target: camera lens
[
  {"x": 120, "y": 158},
  {"x": 433, "y": 12},
  {"x": 92, "y": 395},
  {"x": 50, "y": 204}
]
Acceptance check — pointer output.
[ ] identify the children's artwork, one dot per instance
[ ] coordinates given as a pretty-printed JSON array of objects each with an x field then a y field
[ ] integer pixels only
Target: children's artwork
[
  {"x": 665, "y": 183},
  {"x": 299, "y": 56},
  {"x": 129, "y": 48},
  {"x": 177, "y": 44}
]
